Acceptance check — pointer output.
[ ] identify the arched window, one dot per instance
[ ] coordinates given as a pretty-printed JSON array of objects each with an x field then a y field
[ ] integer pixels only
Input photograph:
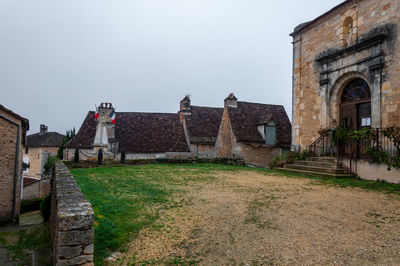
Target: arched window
[
  {"x": 355, "y": 108},
  {"x": 348, "y": 31},
  {"x": 357, "y": 90}
]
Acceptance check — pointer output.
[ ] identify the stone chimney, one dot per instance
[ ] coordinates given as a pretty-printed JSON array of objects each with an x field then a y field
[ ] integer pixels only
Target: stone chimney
[
  {"x": 185, "y": 107},
  {"x": 230, "y": 101},
  {"x": 43, "y": 129},
  {"x": 105, "y": 129}
]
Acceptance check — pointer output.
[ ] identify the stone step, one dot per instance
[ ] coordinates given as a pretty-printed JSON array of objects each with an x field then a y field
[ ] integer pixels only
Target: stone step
[
  {"x": 333, "y": 170},
  {"x": 312, "y": 173},
  {"x": 322, "y": 159},
  {"x": 317, "y": 163}
]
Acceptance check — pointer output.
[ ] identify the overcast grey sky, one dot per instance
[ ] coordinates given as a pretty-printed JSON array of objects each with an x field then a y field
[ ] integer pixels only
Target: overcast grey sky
[{"x": 60, "y": 58}]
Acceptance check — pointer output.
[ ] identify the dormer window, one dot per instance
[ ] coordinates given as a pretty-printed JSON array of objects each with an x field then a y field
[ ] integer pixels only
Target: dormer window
[{"x": 270, "y": 133}]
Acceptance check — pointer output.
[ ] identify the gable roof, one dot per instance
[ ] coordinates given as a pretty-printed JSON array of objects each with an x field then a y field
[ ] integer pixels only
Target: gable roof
[
  {"x": 137, "y": 132},
  {"x": 247, "y": 116},
  {"x": 30, "y": 180},
  {"x": 305, "y": 25},
  {"x": 203, "y": 124},
  {"x": 24, "y": 121},
  {"x": 48, "y": 139},
  {"x": 85, "y": 136}
]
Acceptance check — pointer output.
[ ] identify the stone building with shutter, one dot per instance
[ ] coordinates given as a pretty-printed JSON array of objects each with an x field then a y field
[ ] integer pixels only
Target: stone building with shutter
[
  {"x": 39, "y": 147},
  {"x": 253, "y": 131},
  {"x": 237, "y": 130},
  {"x": 13, "y": 128}
]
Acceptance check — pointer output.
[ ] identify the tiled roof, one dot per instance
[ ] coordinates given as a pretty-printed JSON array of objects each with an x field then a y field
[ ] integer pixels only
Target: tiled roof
[
  {"x": 48, "y": 139},
  {"x": 246, "y": 116},
  {"x": 29, "y": 181},
  {"x": 85, "y": 136},
  {"x": 138, "y": 132},
  {"x": 203, "y": 124},
  {"x": 150, "y": 132}
]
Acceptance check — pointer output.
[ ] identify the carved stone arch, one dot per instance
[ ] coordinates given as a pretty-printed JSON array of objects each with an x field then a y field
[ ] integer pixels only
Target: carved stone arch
[{"x": 336, "y": 92}]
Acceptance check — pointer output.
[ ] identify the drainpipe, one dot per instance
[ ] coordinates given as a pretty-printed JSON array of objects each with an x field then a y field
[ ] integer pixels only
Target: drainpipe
[{"x": 15, "y": 166}]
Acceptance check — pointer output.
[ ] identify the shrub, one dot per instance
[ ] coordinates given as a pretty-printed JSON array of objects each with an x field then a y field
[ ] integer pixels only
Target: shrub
[
  {"x": 290, "y": 157},
  {"x": 276, "y": 162},
  {"x": 30, "y": 205},
  {"x": 49, "y": 165},
  {"x": 45, "y": 207}
]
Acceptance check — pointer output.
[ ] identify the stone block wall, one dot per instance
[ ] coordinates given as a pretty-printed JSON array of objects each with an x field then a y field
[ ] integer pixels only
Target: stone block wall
[
  {"x": 257, "y": 154},
  {"x": 202, "y": 150},
  {"x": 32, "y": 191},
  {"x": 226, "y": 141},
  {"x": 8, "y": 138},
  {"x": 71, "y": 221}
]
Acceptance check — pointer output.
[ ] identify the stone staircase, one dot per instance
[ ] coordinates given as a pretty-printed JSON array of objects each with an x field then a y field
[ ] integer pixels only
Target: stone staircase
[{"x": 317, "y": 166}]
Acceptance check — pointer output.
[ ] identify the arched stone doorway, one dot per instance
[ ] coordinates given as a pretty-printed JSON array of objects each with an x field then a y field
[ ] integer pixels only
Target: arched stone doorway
[{"x": 355, "y": 105}]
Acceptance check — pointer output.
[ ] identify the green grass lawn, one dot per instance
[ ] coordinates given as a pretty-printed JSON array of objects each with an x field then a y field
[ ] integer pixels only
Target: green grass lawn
[{"x": 128, "y": 199}]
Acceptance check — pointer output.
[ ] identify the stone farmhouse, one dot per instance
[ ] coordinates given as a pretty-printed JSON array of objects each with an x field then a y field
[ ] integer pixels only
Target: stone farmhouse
[
  {"x": 39, "y": 147},
  {"x": 13, "y": 128},
  {"x": 237, "y": 130},
  {"x": 346, "y": 74}
]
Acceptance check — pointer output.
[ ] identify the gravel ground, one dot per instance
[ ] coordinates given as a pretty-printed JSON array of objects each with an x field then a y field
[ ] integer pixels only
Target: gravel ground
[{"x": 249, "y": 218}]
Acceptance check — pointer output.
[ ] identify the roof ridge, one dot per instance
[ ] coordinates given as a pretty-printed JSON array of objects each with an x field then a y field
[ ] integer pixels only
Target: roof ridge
[
  {"x": 207, "y": 107},
  {"x": 150, "y": 113},
  {"x": 269, "y": 104}
]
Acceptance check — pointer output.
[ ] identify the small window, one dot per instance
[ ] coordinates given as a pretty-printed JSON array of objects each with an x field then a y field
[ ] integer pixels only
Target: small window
[{"x": 270, "y": 133}]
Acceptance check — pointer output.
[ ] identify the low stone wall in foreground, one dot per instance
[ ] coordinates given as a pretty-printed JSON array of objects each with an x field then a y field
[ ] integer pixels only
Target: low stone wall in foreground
[{"x": 71, "y": 221}]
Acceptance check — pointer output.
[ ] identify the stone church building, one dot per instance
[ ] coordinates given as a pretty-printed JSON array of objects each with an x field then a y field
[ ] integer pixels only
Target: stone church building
[
  {"x": 346, "y": 66},
  {"x": 252, "y": 131}
]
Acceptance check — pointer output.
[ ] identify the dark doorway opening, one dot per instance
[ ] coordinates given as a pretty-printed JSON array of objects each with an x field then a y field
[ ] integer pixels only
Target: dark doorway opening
[{"x": 355, "y": 105}]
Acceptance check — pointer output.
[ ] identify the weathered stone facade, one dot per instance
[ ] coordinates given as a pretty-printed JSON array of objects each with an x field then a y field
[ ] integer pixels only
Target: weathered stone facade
[
  {"x": 356, "y": 39},
  {"x": 71, "y": 221},
  {"x": 12, "y": 137}
]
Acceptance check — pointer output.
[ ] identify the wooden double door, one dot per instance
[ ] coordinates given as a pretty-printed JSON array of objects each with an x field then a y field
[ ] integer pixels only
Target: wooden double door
[
  {"x": 355, "y": 115},
  {"x": 355, "y": 106}
]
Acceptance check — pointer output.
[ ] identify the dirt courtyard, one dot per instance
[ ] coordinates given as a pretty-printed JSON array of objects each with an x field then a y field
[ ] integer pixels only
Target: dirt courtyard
[{"x": 255, "y": 218}]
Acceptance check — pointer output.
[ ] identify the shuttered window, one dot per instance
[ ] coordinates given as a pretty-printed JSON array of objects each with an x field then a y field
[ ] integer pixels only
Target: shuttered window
[{"x": 270, "y": 133}]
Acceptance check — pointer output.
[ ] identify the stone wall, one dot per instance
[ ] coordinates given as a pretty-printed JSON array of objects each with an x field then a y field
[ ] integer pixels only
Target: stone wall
[
  {"x": 8, "y": 138},
  {"x": 71, "y": 221},
  {"x": 327, "y": 55},
  {"x": 32, "y": 191},
  {"x": 373, "y": 171},
  {"x": 257, "y": 154},
  {"x": 91, "y": 155},
  {"x": 202, "y": 150},
  {"x": 226, "y": 141}
]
